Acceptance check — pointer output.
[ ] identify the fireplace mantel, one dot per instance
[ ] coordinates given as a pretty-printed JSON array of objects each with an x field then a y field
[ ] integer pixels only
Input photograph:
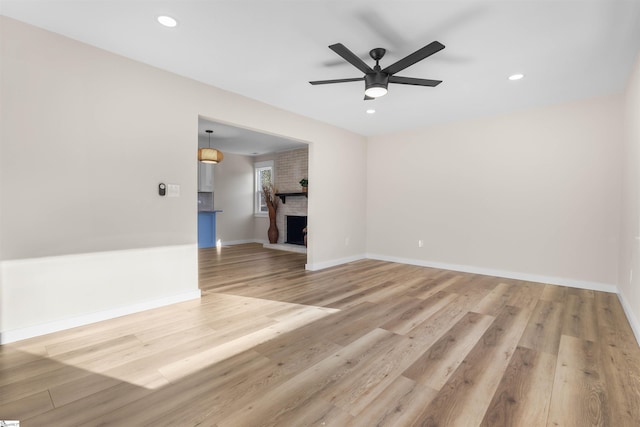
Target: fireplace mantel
[{"x": 283, "y": 196}]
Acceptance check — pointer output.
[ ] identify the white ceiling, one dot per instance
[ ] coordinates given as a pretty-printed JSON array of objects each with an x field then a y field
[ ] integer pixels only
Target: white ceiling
[
  {"x": 246, "y": 142},
  {"x": 269, "y": 50}
]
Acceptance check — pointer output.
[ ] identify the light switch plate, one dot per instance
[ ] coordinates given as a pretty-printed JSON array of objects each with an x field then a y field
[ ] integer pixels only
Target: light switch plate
[{"x": 173, "y": 190}]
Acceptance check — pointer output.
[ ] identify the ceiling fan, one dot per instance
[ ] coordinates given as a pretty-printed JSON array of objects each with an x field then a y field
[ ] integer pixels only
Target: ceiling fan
[{"x": 377, "y": 79}]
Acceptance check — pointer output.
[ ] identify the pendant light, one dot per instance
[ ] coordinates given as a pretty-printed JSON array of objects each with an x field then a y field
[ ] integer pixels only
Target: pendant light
[{"x": 210, "y": 155}]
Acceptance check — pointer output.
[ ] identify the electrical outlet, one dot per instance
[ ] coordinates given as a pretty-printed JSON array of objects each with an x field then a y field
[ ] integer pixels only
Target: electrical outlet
[{"x": 420, "y": 243}]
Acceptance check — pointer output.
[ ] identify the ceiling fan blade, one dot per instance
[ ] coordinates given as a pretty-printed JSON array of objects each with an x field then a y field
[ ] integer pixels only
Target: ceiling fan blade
[
  {"x": 413, "y": 81},
  {"x": 416, "y": 56},
  {"x": 351, "y": 57},
  {"x": 325, "y": 82}
]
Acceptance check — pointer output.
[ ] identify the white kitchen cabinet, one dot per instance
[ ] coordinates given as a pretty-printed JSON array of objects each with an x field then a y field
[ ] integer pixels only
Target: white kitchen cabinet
[{"x": 205, "y": 177}]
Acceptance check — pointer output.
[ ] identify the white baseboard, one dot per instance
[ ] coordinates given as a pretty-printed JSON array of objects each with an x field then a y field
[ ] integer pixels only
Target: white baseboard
[
  {"x": 332, "y": 263},
  {"x": 572, "y": 283},
  {"x": 242, "y": 242},
  {"x": 631, "y": 317},
  {"x": 285, "y": 247},
  {"x": 267, "y": 245},
  {"x": 60, "y": 325}
]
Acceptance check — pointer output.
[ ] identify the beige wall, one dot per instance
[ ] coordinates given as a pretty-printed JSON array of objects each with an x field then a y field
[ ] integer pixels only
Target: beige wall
[
  {"x": 533, "y": 194},
  {"x": 332, "y": 198},
  {"x": 91, "y": 134},
  {"x": 629, "y": 282},
  {"x": 233, "y": 193}
]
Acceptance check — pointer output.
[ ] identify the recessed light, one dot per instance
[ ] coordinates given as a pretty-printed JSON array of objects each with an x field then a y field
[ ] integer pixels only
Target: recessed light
[
  {"x": 371, "y": 111},
  {"x": 167, "y": 21},
  {"x": 516, "y": 76}
]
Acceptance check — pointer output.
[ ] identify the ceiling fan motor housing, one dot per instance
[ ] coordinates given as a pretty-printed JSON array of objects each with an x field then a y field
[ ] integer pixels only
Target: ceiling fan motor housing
[{"x": 378, "y": 79}]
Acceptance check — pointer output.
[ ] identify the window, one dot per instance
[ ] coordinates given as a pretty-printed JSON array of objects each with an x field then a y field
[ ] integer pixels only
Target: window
[{"x": 263, "y": 176}]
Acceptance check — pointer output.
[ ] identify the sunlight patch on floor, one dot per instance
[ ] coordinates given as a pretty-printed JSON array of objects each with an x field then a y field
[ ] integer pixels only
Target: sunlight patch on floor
[{"x": 154, "y": 353}]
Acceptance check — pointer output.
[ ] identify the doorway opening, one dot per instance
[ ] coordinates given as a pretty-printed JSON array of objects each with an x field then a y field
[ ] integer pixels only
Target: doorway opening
[{"x": 234, "y": 194}]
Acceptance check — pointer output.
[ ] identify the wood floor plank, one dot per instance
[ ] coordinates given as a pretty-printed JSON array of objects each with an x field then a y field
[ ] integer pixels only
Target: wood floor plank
[
  {"x": 58, "y": 374},
  {"x": 349, "y": 331},
  {"x": 84, "y": 411},
  {"x": 464, "y": 399},
  {"x": 495, "y": 300},
  {"x": 80, "y": 342},
  {"x": 554, "y": 293},
  {"x": 29, "y": 406},
  {"x": 436, "y": 365},
  {"x": 367, "y": 381},
  {"x": 36, "y": 366},
  {"x": 326, "y": 328},
  {"x": 613, "y": 328},
  {"x": 316, "y": 413},
  {"x": 301, "y": 388},
  {"x": 213, "y": 391},
  {"x": 11, "y": 358},
  {"x": 417, "y": 312},
  {"x": 544, "y": 328},
  {"x": 397, "y": 405},
  {"x": 524, "y": 394},
  {"x": 580, "y": 316},
  {"x": 75, "y": 390},
  {"x": 304, "y": 354},
  {"x": 435, "y": 284},
  {"x": 619, "y": 366},
  {"x": 193, "y": 362},
  {"x": 526, "y": 295},
  {"x": 579, "y": 395},
  {"x": 432, "y": 328}
]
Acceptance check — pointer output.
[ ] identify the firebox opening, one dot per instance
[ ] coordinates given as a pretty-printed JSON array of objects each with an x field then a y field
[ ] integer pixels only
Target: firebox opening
[{"x": 295, "y": 227}]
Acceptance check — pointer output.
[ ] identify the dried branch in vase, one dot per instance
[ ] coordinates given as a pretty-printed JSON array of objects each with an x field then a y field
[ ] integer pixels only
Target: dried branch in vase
[{"x": 269, "y": 192}]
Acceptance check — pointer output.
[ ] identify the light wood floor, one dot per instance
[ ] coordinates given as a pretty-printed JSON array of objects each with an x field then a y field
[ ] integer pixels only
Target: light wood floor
[{"x": 370, "y": 343}]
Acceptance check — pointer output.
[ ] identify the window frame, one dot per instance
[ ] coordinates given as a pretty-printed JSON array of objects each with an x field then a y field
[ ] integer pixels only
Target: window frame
[{"x": 257, "y": 187}]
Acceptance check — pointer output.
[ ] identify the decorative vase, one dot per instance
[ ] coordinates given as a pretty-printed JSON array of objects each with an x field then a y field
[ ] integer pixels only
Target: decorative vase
[{"x": 272, "y": 232}]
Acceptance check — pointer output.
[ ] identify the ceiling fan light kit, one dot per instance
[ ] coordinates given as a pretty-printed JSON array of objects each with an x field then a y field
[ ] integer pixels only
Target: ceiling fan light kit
[
  {"x": 210, "y": 155},
  {"x": 377, "y": 79},
  {"x": 375, "y": 85}
]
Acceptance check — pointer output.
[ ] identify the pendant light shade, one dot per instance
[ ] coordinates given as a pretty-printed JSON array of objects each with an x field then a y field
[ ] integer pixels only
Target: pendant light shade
[{"x": 210, "y": 155}]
